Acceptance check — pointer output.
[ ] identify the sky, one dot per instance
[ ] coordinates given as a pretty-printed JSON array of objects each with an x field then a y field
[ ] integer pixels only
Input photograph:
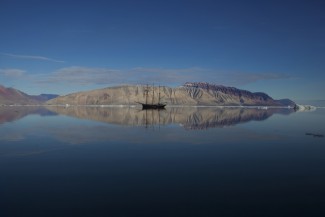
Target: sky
[{"x": 63, "y": 46}]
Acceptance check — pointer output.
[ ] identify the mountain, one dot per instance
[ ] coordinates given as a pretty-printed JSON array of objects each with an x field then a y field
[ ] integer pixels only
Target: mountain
[
  {"x": 224, "y": 94},
  {"x": 190, "y": 93},
  {"x": 10, "y": 96},
  {"x": 45, "y": 97}
]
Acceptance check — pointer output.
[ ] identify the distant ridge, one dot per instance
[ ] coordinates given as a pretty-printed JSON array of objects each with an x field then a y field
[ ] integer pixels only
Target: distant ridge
[
  {"x": 191, "y": 93},
  {"x": 45, "y": 97},
  {"x": 12, "y": 96}
]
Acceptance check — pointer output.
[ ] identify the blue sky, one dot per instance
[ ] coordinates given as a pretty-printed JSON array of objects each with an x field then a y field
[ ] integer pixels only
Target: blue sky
[{"x": 277, "y": 47}]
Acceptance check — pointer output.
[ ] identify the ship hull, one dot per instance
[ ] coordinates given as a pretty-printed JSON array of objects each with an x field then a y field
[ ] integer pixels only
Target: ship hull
[{"x": 153, "y": 106}]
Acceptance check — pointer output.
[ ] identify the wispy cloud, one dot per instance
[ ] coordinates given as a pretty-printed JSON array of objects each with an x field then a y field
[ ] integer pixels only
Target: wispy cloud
[
  {"x": 12, "y": 73},
  {"x": 242, "y": 78},
  {"x": 163, "y": 75},
  {"x": 84, "y": 75},
  {"x": 78, "y": 78},
  {"x": 78, "y": 75},
  {"x": 30, "y": 57},
  {"x": 106, "y": 76}
]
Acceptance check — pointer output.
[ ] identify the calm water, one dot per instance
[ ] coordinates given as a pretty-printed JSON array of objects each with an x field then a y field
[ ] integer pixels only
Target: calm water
[{"x": 92, "y": 161}]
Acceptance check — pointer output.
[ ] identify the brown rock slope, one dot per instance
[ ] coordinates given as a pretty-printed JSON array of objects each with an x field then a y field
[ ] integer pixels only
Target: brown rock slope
[
  {"x": 12, "y": 96},
  {"x": 188, "y": 94}
]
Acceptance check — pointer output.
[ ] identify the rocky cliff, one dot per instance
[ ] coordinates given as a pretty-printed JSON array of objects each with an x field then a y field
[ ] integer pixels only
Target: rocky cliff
[{"x": 204, "y": 94}]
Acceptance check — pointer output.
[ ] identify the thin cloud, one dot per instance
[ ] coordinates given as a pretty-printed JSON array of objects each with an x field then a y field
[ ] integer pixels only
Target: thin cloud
[
  {"x": 30, "y": 57},
  {"x": 84, "y": 75},
  {"x": 106, "y": 76},
  {"x": 12, "y": 73},
  {"x": 165, "y": 76},
  {"x": 239, "y": 78},
  {"x": 78, "y": 75}
]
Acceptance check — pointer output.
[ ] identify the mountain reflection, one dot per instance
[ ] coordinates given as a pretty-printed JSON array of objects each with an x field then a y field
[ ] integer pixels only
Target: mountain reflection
[
  {"x": 188, "y": 117},
  {"x": 195, "y": 118},
  {"x": 13, "y": 113}
]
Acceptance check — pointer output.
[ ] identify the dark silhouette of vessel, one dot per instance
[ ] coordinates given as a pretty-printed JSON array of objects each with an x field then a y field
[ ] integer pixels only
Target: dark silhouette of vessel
[{"x": 153, "y": 104}]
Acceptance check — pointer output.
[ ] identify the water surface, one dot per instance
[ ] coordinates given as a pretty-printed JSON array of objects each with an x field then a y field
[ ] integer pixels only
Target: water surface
[{"x": 93, "y": 161}]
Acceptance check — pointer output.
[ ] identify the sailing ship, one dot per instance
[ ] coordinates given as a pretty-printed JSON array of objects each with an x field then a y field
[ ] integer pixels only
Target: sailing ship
[{"x": 152, "y": 105}]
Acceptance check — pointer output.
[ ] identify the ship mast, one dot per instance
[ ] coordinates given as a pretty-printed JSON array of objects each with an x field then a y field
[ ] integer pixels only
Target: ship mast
[
  {"x": 146, "y": 93},
  {"x": 153, "y": 94},
  {"x": 159, "y": 94}
]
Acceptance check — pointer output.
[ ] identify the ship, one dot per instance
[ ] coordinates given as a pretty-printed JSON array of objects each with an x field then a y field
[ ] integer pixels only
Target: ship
[{"x": 153, "y": 104}]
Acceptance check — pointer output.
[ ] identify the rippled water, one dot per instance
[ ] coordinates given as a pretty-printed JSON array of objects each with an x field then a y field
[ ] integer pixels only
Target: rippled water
[{"x": 112, "y": 161}]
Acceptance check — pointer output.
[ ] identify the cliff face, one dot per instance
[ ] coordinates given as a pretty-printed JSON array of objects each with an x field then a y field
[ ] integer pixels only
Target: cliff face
[
  {"x": 188, "y": 94},
  {"x": 221, "y": 95}
]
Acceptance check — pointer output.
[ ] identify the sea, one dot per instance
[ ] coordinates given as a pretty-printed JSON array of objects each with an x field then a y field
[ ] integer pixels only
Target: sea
[{"x": 120, "y": 161}]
